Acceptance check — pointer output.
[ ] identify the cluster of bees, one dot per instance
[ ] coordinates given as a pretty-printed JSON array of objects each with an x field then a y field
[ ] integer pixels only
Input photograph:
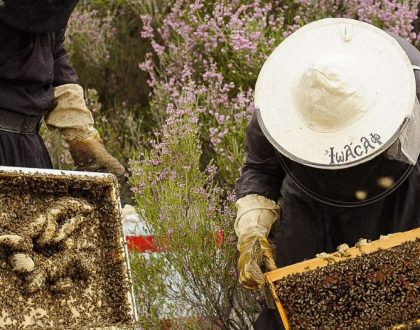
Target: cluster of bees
[
  {"x": 96, "y": 291},
  {"x": 374, "y": 291}
]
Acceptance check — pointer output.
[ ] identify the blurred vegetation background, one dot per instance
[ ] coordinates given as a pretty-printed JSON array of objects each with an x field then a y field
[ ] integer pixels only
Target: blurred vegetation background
[{"x": 170, "y": 84}]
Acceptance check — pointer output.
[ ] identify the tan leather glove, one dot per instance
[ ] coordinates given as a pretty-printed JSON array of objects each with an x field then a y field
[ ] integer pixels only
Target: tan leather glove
[
  {"x": 89, "y": 154},
  {"x": 75, "y": 123},
  {"x": 256, "y": 214}
]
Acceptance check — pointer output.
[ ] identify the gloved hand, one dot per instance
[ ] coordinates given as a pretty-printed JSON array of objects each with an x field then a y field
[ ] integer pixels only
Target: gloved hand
[
  {"x": 75, "y": 123},
  {"x": 256, "y": 214},
  {"x": 89, "y": 154}
]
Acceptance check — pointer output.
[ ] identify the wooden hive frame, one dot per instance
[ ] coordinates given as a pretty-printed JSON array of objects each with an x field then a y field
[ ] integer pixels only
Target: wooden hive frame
[
  {"x": 391, "y": 241},
  {"x": 90, "y": 179}
]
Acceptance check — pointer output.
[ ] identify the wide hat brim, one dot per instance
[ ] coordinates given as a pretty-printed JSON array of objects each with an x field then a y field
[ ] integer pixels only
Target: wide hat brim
[{"x": 384, "y": 70}]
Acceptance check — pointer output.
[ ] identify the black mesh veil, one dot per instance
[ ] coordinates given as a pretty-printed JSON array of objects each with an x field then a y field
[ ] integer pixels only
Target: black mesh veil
[
  {"x": 37, "y": 16},
  {"x": 363, "y": 183}
]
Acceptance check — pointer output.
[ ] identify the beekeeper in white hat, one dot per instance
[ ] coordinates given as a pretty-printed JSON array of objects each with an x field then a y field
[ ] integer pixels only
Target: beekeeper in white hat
[{"x": 335, "y": 137}]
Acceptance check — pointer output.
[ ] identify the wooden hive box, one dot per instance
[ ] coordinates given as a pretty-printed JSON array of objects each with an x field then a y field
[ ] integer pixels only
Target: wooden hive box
[
  {"x": 82, "y": 281},
  {"x": 373, "y": 285}
]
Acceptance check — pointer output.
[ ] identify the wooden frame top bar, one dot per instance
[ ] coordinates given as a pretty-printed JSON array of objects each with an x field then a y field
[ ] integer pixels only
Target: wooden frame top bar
[{"x": 380, "y": 244}]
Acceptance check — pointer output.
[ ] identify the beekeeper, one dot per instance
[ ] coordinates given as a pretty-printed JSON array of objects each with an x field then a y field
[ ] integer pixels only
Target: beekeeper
[
  {"x": 332, "y": 149},
  {"x": 36, "y": 82}
]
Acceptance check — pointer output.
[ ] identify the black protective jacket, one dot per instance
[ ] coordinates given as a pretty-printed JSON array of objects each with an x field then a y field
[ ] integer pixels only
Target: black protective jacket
[
  {"x": 32, "y": 57},
  {"x": 32, "y": 62}
]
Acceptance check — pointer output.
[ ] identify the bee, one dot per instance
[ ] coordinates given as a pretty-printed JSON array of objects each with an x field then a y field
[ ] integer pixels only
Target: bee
[{"x": 376, "y": 290}]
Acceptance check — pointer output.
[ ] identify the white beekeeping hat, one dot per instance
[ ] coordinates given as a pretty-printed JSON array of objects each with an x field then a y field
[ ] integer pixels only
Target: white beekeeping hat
[{"x": 336, "y": 93}]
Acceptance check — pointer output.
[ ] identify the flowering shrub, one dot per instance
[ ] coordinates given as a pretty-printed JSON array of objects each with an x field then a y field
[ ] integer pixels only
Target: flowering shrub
[
  {"x": 187, "y": 211},
  {"x": 216, "y": 47},
  {"x": 89, "y": 35},
  {"x": 391, "y": 15}
]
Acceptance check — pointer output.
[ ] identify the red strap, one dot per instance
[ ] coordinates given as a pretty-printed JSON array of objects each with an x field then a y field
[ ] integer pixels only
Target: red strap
[
  {"x": 141, "y": 244},
  {"x": 144, "y": 244}
]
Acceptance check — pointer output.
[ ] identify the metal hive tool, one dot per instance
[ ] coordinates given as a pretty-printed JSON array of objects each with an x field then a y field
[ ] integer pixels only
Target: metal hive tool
[{"x": 373, "y": 285}]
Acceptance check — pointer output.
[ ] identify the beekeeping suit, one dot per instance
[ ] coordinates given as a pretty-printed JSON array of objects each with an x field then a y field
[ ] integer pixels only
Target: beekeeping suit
[
  {"x": 332, "y": 149},
  {"x": 36, "y": 82}
]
